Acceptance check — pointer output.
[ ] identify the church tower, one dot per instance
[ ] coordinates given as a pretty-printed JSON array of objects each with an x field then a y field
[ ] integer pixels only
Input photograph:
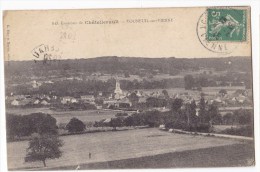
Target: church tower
[{"x": 118, "y": 91}]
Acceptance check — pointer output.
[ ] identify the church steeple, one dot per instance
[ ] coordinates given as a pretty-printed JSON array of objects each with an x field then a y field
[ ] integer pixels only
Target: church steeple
[{"x": 118, "y": 90}]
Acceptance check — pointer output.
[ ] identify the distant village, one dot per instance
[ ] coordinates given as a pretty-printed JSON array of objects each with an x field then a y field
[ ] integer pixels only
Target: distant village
[{"x": 123, "y": 99}]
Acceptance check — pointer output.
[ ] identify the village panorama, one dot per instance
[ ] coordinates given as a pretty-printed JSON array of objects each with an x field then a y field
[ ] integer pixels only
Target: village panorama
[{"x": 129, "y": 112}]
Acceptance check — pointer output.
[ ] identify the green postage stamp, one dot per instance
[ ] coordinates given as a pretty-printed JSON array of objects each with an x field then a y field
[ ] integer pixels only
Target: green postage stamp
[{"x": 226, "y": 24}]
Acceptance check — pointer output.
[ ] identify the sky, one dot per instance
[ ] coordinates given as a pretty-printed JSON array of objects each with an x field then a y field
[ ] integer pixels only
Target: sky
[{"x": 68, "y": 34}]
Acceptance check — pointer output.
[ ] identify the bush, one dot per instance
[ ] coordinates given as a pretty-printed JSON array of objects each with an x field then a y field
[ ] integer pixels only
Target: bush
[
  {"x": 153, "y": 118},
  {"x": 75, "y": 125},
  {"x": 180, "y": 125},
  {"x": 201, "y": 127},
  {"x": 129, "y": 121},
  {"x": 116, "y": 122},
  {"x": 241, "y": 131}
]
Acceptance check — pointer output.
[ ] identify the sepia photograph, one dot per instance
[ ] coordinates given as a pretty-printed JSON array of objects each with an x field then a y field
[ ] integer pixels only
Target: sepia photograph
[{"x": 151, "y": 88}]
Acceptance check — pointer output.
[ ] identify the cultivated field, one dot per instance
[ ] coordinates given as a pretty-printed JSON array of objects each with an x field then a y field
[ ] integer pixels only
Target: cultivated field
[
  {"x": 109, "y": 146},
  {"x": 206, "y": 90},
  {"x": 65, "y": 116}
]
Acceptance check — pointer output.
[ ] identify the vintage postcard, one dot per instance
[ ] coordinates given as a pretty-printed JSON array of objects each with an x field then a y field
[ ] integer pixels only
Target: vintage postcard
[{"x": 129, "y": 88}]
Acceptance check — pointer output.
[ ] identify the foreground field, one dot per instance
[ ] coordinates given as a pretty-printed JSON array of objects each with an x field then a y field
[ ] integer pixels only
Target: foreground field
[
  {"x": 223, "y": 156},
  {"x": 111, "y": 146}
]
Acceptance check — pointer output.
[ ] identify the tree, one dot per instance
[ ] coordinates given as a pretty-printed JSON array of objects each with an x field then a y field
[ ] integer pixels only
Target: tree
[
  {"x": 126, "y": 75},
  {"x": 133, "y": 98},
  {"x": 18, "y": 126},
  {"x": 190, "y": 112},
  {"x": 188, "y": 82},
  {"x": 153, "y": 118},
  {"x": 165, "y": 93},
  {"x": 138, "y": 119},
  {"x": 129, "y": 121},
  {"x": 244, "y": 117},
  {"x": 42, "y": 123},
  {"x": 89, "y": 125},
  {"x": 202, "y": 111},
  {"x": 43, "y": 147},
  {"x": 99, "y": 101},
  {"x": 75, "y": 125},
  {"x": 228, "y": 119},
  {"x": 223, "y": 92},
  {"x": 177, "y": 104},
  {"x": 214, "y": 116},
  {"x": 155, "y": 102},
  {"x": 168, "y": 120},
  {"x": 116, "y": 122}
]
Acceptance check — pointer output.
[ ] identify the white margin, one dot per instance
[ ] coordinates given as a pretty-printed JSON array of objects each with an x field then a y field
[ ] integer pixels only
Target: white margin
[{"x": 80, "y": 4}]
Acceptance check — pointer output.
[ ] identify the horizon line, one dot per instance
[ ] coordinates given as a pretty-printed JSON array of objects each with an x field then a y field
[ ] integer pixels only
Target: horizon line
[{"x": 86, "y": 58}]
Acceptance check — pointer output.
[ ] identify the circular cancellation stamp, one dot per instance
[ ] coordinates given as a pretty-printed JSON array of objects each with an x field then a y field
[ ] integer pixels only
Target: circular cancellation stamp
[
  {"x": 46, "y": 53},
  {"x": 221, "y": 29}
]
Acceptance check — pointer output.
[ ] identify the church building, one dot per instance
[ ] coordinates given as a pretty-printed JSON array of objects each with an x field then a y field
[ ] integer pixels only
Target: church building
[{"x": 119, "y": 94}]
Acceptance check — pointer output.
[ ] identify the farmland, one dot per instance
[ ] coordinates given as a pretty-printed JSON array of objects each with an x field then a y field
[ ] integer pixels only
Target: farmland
[
  {"x": 205, "y": 90},
  {"x": 110, "y": 146},
  {"x": 65, "y": 116}
]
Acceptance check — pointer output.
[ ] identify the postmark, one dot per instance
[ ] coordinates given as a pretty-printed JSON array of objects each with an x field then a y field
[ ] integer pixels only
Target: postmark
[
  {"x": 226, "y": 24},
  {"x": 221, "y": 30},
  {"x": 46, "y": 53}
]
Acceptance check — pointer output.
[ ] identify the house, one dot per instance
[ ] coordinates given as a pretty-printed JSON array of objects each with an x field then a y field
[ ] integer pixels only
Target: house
[
  {"x": 47, "y": 97},
  {"x": 162, "y": 127},
  {"x": 68, "y": 99},
  {"x": 36, "y": 84},
  {"x": 48, "y": 82},
  {"x": 15, "y": 103},
  {"x": 142, "y": 100},
  {"x": 20, "y": 102},
  {"x": 107, "y": 120},
  {"x": 78, "y": 79},
  {"x": 218, "y": 100},
  {"x": 25, "y": 102},
  {"x": 89, "y": 98},
  {"x": 99, "y": 107},
  {"x": 36, "y": 102},
  {"x": 123, "y": 103},
  {"x": 44, "y": 102},
  {"x": 163, "y": 109},
  {"x": 139, "y": 93},
  {"x": 241, "y": 99}
]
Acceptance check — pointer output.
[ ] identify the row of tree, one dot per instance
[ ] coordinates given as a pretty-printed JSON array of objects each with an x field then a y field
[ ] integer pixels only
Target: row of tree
[
  {"x": 187, "y": 116},
  {"x": 202, "y": 80}
]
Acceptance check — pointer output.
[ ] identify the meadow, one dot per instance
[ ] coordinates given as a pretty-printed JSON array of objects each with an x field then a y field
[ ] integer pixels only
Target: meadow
[
  {"x": 124, "y": 145},
  {"x": 65, "y": 116}
]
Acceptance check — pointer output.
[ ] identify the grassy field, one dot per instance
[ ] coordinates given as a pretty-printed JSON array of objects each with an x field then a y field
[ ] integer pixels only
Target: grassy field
[
  {"x": 65, "y": 116},
  {"x": 222, "y": 156},
  {"x": 206, "y": 90},
  {"x": 122, "y": 145}
]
